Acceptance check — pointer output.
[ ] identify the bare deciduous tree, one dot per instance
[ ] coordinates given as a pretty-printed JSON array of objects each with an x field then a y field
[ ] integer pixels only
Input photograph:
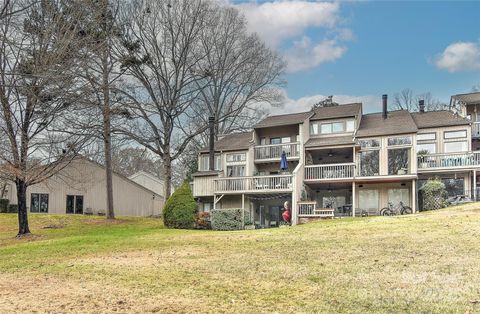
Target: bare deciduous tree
[
  {"x": 38, "y": 86},
  {"x": 408, "y": 100},
  {"x": 238, "y": 74}
]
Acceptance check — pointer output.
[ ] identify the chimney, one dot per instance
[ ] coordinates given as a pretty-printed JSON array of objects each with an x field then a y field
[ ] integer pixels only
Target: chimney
[
  {"x": 211, "y": 127},
  {"x": 384, "y": 103},
  {"x": 421, "y": 105}
]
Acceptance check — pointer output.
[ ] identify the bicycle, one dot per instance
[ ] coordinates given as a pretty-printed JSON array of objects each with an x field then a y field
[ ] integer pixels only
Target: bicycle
[{"x": 392, "y": 210}]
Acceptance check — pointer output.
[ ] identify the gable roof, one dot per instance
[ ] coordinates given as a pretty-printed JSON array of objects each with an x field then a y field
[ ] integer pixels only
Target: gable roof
[
  {"x": 148, "y": 175},
  {"x": 231, "y": 142},
  {"x": 284, "y": 119},
  {"x": 397, "y": 122},
  {"x": 469, "y": 98},
  {"x": 340, "y": 111},
  {"x": 430, "y": 119}
]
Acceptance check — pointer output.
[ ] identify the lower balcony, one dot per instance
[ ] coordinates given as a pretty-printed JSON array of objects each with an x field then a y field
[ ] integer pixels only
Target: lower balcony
[
  {"x": 448, "y": 161},
  {"x": 256, "y": 184},
  {"x": 330, "y": 172}
]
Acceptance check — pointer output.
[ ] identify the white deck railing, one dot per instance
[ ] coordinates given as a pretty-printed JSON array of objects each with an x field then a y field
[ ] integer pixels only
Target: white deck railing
[
  {"x": 254, "y": 184},
  {"x": 330, "y": 171},
  {"x": 274, "y": 151},
  {"x": 306, "y": 208},
  {"x": 448, "y": 160}
]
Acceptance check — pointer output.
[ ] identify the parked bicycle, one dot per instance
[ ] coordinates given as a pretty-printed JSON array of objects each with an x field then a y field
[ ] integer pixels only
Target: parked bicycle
[{"x": 392, "y": 210}]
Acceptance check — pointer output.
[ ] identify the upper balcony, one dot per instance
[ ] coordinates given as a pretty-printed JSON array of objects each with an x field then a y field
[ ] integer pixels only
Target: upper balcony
[
  {"x": 330, "y": 172},
  {"x": 273, "y": 152},
  {"x": 446, "y": 161},
  {"x": 255, "y": 184}
]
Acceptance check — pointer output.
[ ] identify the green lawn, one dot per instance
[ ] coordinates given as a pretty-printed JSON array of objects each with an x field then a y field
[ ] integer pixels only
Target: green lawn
[{"x": 428, "y": 262}]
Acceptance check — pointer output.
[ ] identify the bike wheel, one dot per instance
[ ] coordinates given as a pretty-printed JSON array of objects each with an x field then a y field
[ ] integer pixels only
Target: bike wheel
[
  {"x": 407, "y": 210},
  {"x": 385, "y": 212}
]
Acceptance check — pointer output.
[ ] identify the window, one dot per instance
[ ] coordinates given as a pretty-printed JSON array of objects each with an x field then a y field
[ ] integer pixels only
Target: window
[
  {"x": 39, "y": 203},
  {"x": 326, "y": 128},
  {"x": 455, "y": 134},
  {"x": 400, "y": 140},
  {"x": 276, "y": 140},
  {"x": 204, "y": 162},
  {"x": 452, "y": 147},
  {"x": 426, "y": 137},
  {"x": 350, "y": 125},
  {"x": 74, "y": 204},
  {"x": 207, "y": 207},
  {"x": 395, "y": 196},
  {"x": 398, "y": 161},
  {"x": 235, "y": 171},
  {"x": 454, "y": 187},
  {"x": 333, "y": 127},
  {"x": 369, "y": 163},
  {"x": 236, "y": 157},
  {"x": 427, "y": 148},
  {"x": 369, "y": 143},
  {"x": 368, "y": 199}
]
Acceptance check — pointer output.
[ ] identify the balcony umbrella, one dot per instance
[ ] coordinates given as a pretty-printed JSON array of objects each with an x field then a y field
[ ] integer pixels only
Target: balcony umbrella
[{"x": 283, "y": 161}]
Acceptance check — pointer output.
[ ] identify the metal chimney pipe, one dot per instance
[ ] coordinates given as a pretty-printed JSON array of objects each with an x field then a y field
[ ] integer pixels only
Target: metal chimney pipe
[
  {"x": 421, "y": 105},
  {"x": 211, "y": 127},
  {"x": 384, "y": 106}
]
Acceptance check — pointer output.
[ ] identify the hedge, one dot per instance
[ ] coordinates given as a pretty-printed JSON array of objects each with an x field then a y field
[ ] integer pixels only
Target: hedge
[
  {"x": 180, "y": 209},
  {"x": 13, "y": 208},
  {"x": 4, "y": 205},
  {"x": 228, "y": 219}
]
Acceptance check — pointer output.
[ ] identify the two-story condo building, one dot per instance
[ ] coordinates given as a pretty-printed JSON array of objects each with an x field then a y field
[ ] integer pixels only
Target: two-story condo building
[{"x": 341, "y": 162}]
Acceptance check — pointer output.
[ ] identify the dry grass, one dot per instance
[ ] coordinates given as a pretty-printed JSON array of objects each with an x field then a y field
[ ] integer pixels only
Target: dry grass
[{"x": 419, "y": 263}]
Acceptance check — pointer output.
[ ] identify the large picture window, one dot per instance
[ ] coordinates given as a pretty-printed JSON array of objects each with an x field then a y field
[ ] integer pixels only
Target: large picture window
[
  {"x": 427, "y": 148},
  {"x": 332, "y": 127},
  {"x": 453, "y": 147},
  {"x": 369, "y": 163},
  {"x": 454, "y": 187},
  {"x": 395, "y": 196},
  {"x": 235, "y": 171},
  {"x": 368, "y": 199},
  {"x": 398, "y": 161},
  {"x": 204, "y": 163}
]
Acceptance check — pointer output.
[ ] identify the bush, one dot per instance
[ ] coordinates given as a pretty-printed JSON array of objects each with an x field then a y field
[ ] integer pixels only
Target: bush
[
  {"x": 180, "y": 209},
  {"x": 434, "y": 194},
  {"x": 202, "y": 220},
  {"x": 226, "y": 219},
  {"x": 13, "y": 208},
  {"x": 4, "y": 205}
]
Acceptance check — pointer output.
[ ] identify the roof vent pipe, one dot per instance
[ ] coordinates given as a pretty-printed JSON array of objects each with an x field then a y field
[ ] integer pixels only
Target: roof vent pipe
[
  {"x": 421, "y": 105},
  {"x": 384, "y": 106},
  {"x": 211, "y": 127}
]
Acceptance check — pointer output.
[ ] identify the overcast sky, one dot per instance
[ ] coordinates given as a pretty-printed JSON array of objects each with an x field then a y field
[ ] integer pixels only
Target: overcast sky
[{"x": 359, "y": 50}]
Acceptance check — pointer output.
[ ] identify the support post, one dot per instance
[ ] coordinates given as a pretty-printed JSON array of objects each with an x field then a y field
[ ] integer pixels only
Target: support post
[
  {"x": 353, "y": 199},
  {"x": 475, "y": 185},
  {"x": 243, "y": 211},
  {"x": 414, "y": 196}
]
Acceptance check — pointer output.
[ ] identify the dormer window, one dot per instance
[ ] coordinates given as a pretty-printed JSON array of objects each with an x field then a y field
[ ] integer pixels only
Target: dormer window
[{"x": 317, "y": 128}]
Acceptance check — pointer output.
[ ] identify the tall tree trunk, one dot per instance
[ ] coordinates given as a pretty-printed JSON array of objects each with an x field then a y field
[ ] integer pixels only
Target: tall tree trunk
[
  {"x": 23, "y": 228},
  {"x": 107, "y": 136},
  {"x": 167, "y": 166}
]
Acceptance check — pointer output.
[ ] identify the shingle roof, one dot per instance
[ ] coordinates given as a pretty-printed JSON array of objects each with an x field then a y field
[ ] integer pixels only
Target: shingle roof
[
  {"x": 284, "y": 119},
  {"x": 330, "y": 141},
  {"x": 431, "y": 119},
  {"x": 340, "y": 111},
  {"x": 470, "y": 98},
  {"x": 397, "y": 122},
  {"x": 231, "y": 142}
]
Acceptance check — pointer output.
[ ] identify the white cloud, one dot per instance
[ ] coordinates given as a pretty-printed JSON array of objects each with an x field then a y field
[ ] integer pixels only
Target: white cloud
[
  {"x": 459, "y": 56},
  {"x": 284, "y": 23},
  {"x": 277, "y": 21},
  {"x": 303, "y": 55},
  {"x": 371, "y": 103}
]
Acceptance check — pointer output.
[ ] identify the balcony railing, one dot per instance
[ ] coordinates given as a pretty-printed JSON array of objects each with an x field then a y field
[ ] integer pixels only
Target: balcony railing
[
  {"x": 309, "y": 209},
  {"x": 274, "y": 151},
  {"x": 448, "y": 160},
  {"x": 330, "y": 171},
  {"x": 282, "y": 183},
  {"x": 476, "y": 129}
]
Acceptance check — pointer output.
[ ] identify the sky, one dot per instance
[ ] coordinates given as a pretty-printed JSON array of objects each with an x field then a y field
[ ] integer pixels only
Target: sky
[{"x": 359, "y": 50}]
